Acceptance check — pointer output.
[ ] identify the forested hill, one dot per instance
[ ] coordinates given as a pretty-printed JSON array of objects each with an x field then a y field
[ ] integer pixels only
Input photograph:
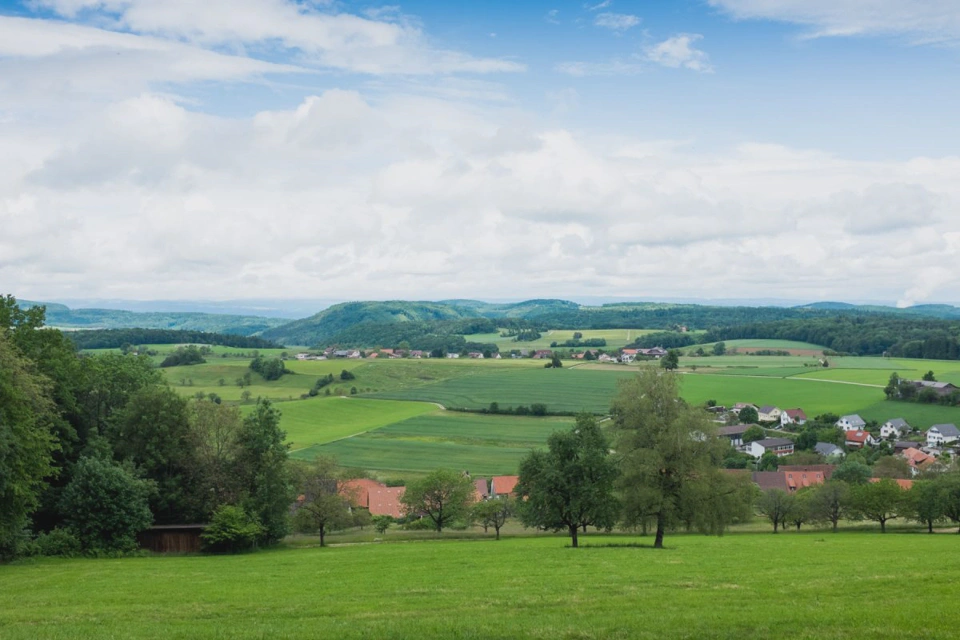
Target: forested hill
[
  {"x": 860, "y": 334},
  {"x": 116, "y": 338},
  {"x": 63, "y": 317}
]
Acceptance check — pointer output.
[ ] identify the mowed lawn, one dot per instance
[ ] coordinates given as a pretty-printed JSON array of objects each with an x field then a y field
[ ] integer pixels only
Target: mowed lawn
[
  {"x": 805, "y": 586},
  {"x": 481, "y": 444},
  {"x": 321, "y": 420}
]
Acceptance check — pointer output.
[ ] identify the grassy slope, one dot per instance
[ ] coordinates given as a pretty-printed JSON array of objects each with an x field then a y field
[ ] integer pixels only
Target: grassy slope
[
  {"x": 814, "y": 585},
  {"x": 481, "y": 444},
  {"x": 321, "y": 420},
  {"x": 615, "y": 338}
]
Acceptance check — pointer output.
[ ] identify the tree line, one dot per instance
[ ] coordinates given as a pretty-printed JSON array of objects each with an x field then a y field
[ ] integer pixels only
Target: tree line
[
  {"x": 95, "y": 448},
  {"x": 117, "y": 338}
]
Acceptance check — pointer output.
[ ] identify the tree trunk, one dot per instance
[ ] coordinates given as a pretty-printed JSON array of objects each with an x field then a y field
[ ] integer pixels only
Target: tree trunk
[
  {"x": 929, "y": 526},
  {"x": 798, "y": 526},
  {"x": 573, "y": 535},
  {"x": 883, "y": 525},
  {"x": 584, "y": 528},
  {"x": 498, "y": 532},
  {"x": 776, "y": 523},
  {"x": 835, "y": 525},
  {"x": 322, "y": 534},
  {"x": 658, "y": 541}
]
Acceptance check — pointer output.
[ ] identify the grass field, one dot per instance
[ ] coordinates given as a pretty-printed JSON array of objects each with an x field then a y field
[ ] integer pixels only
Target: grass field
[
  {"x": 758, "y": 586},
  {"x": 321, "y": 420},
  {"x": 590, "y": 389},
  {"x": 481, "y": 444}
]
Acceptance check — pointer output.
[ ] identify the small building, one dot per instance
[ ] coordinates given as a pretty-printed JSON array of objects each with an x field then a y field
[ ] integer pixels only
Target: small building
[
  {"x": 828, "y": 450},
  {"x": 453, "y": 356},
  {"x": 481, "y": 489},
  {"x": 902, "y": 445},
  {"x": 852, "y": 422},
  {"x": 941, "y": 434},
  {"x": 734, "y": 433},
  {"x": 918, "y": 460},
  {"x": 172, "y": 538},
  {"x": 941, "y": 388},
  {"x": 895, "y": 428},
  {"x": 780, "y": 446}
]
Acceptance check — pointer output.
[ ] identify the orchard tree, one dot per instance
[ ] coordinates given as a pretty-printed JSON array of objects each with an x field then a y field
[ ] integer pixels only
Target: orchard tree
[
  {"x": 924, "y": 503},
  {"x": 667, "y": 450},
  {"x": 754, "y": 433},
  {"x": 261, "y": 469},
  {"x": 949, "y": 484},
  {"x": 670, "y": 361},
  {"x": 878, "y": 501},
  {"x": 494, "y": 513},
  {"x": 776, "y": 505},
  {"x": 852, "y": 472},
  {"x": 570, "y": 485},
  {"x": 325, "y": 507},
  {"x": 748, "y": 415},
  {"x": 443, "y": 496},
  {"x": 828, "y": 502}
]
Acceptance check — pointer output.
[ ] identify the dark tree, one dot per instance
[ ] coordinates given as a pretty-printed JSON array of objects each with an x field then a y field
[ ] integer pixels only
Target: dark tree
[{"x": 443, "y": 496}]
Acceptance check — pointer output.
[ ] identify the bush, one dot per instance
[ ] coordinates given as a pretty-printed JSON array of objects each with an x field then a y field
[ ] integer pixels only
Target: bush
[
  {"x": 232, "y": 530},
  {"x": 420, "y": 524},
  {"x": 59, "y": 542},
  {"x": 347, "y": 375}
]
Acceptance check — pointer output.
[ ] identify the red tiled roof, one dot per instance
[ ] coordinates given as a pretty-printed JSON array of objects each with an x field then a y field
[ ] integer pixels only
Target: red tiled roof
[
  {"x": 825, "y": 469},
  {"x": 358, "y": 491},
  {"x": 481, "y": 487},
  {"x": 799, "y": 479},
  {"x": 857, "y": 436},
  {"x": 796, "y": 413},
  {"x": 385, "y": 501},
  {"x": 502, "y": 485}
]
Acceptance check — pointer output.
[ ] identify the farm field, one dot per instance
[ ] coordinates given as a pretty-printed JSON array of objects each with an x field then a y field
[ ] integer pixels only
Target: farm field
[
  {"x": 824, "y": 586},
  {"x": 482, "y": 444},
  {"x": 321, "y": 420},
  {"x": 592, "y": 388}
]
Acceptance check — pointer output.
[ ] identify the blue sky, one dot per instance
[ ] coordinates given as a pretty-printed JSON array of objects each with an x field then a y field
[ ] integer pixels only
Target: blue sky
[{"x": 799, "y": 149}]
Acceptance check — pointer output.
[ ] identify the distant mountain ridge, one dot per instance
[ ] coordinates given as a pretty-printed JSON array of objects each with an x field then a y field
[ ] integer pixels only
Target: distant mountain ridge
[
  {"x": 342, "y": 320},
  {"x": 62, "y": 317}
]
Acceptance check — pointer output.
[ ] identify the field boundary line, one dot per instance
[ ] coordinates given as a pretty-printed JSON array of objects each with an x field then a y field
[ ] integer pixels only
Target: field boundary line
[{"x": 792, "y": 377}]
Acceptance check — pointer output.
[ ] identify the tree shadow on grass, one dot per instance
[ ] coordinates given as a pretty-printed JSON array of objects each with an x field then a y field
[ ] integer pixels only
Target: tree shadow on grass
[{"x": 617, "y": 545}]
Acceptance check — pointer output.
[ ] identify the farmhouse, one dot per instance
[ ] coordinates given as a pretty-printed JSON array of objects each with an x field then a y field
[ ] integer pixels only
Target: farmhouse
[
  {"x": 542, "y": 353},
  {"x": 377, "y": 497},
  {"x": 941, "y": 434},
  {"x": 941, "y": 388},
  {"x": 894, "y": 428},
  {"x": 780, "y": 446},
  {"x": 789, "y": 481},
  {"x": 793, "y": 416},
  {"x": 503, "y": 485},
  {"x": 481, "y": 489},
  {"x": 825, "y": 469},
  {"x": 918, "y": 460},
  {"x": 453, "y": 356},
  {"x": 852, "y": 422}
]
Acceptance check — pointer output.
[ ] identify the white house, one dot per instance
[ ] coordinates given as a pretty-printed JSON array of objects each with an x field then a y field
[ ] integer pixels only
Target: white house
[
  {"x": 851, "y": 423},
  {"x": 780, "y": 446},
  {"x": 895, "y": 428},
  {"x": 941, "y": 434},
  {"x": 793, "y": 416},
  {"x": 453, "y": 356},
  {"x": 769, "y": 413}
]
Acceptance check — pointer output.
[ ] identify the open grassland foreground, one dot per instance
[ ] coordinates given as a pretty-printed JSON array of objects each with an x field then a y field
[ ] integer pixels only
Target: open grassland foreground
[{"x": 808, "y": 585}]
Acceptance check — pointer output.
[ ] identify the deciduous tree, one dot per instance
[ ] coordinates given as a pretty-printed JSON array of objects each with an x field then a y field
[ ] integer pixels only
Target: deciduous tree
[
  {"x": 878, "y": 501},
  {"x": 493, "y": 513},
  {"x": 570, "y": 485},
  {"x": 665, "y": 447},
  {"x": 442, "y": 496}
]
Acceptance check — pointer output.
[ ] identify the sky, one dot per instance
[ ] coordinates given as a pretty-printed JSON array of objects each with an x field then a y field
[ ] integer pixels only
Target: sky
[{"x": 270, "y": 149}]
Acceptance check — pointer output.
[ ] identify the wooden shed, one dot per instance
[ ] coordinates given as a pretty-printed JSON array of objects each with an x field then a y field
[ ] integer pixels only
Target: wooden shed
[{"x": 172, "y": 538}]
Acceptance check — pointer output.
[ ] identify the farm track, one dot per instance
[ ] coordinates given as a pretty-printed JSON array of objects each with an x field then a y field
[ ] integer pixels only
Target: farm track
[{"x": 795, "y": 377}]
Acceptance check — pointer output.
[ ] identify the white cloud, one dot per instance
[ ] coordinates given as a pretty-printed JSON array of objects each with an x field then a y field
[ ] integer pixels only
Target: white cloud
[
  {"x": 616, "y": 21},
  {"x": 922, "y": 20},
  {"x": 678, "y": 51},
  {"x": 552, "y": 16},
  {"x": 412, "y": 196},
  {"x": 384, "y": 44},
  {"x": 598, "y": 6}
]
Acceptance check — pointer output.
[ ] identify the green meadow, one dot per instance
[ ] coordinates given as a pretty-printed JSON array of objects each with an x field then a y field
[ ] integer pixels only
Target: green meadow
[
  {"x": 321, "y": 420},
  {"x": 481, "y": 444},
  {"x": 615, "y": 338},
  {"x": 809, "y": 585}
]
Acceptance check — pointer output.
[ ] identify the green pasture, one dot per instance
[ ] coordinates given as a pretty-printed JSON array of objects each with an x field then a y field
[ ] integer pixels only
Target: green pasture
[
  {"x": 813, "y": 585},
  {"x": 591, "y": 389},
  {"x": 758, "y": 343},
  {"x": 321, "y": 420},
  {"x": 919, "y": 416},
  {"x": 481, "y": 444}
]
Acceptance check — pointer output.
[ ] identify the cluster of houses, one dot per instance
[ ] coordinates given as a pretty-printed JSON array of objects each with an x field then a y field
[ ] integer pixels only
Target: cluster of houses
[
  {"x": 920, "y": 454},
  {"x": 792, "y": 478},
  {"x": 382, "y": 500},
  {"x": 624, "y": 356}
]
